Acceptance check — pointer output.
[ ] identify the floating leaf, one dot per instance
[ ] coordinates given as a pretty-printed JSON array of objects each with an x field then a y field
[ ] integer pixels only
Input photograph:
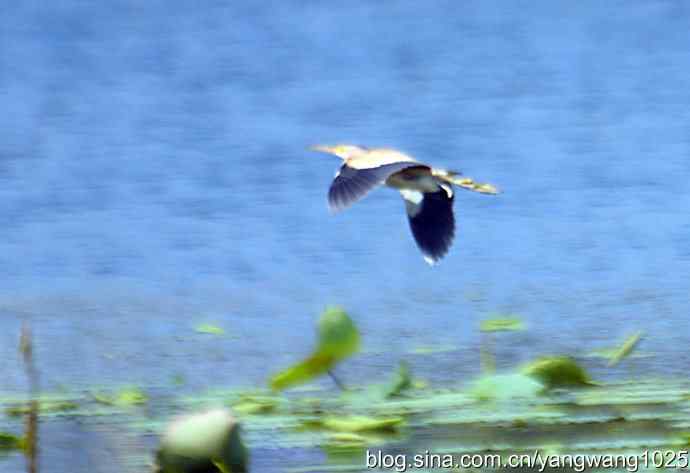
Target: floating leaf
[
  {"x": 338, "y": 444},
  {"x": 361, "y": 423},
  {"x": 255, "y": 405},
  {"x": 125, "y": 397},
  {"x": 558, "y": 371},
  {"x": 44, "y": 407},
  {"x": 502, "y": 324},
  {"x": 10, "y": 441},
  {"x": 505, "y": 386},
  {"x": 625, "y": 349},
  {"x": 433, "y": 349},
  {"x": 347, "y": 439},
  {"x": 621, "y": 395},
  {"x": 209, "y": 329},
  {"x": 338, "y": 339}
]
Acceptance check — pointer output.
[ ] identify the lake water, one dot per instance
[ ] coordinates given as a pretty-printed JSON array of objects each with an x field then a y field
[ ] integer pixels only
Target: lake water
[{"x": 154, "y": 175}]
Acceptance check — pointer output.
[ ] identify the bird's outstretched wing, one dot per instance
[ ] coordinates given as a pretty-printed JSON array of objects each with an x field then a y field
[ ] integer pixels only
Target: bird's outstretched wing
[
  {"x": 351, "y": 184},
  {"x": 431, "y": 221}
]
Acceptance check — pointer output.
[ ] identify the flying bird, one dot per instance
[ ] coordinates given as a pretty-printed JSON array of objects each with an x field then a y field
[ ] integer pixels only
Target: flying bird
[{"x": 426, "y": 190}]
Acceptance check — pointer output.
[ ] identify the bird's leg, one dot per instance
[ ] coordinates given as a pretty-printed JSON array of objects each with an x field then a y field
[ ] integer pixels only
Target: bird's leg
[
  {"x": 456, "y": 177},
  {"x": 337, "y": 382},
  {"x": 469, "y": 184}
]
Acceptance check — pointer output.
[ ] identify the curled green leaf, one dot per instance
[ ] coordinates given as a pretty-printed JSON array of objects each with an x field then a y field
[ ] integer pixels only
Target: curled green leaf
[
  {"x": 338, "y": 339},
  {"x": 558, "y": 371}
]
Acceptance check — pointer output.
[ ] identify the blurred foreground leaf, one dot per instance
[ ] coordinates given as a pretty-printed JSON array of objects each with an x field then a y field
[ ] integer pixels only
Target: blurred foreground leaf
[
  {"x": 338, "y": 339},
  {"x": 208, "y": 442},
  {"x": 557, "y": 371}
]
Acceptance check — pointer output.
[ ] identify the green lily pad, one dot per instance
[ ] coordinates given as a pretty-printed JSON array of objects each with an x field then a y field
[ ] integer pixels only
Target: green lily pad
[
  {"x": 558, "y": 371},
  {"x": 350, "y": 443},
  {"x": 303, "y": 371},
  {"x": 125, "y": 397},
  {"x": 433, "y": 349},
  {"x": 10, "y": 441},
  {"x": 361, "y": 423},
  {"x": 348, "y": 439},
  {"x": 502, "y": 324},
  {"x": 44, "y": 407},
  {"x": 499, "y": 387},
  {"x": 256, "y": 405},
  {"x": 338, "y": 336},
  {"x": 209, "y": 329},
  {"x": 338, "y": 339}
]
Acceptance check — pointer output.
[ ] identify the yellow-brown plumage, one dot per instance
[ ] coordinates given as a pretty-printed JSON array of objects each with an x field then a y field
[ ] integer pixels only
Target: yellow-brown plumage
[{"x": 427, "y": 191}]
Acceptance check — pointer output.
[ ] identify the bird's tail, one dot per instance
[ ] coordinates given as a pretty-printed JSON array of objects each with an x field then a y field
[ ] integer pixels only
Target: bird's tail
[{"x": 455, "y": 177}]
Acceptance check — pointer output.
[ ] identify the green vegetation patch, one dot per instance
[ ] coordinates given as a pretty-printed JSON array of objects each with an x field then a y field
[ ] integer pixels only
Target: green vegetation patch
[
  {"x": 10, "y": 441},
  {"x": 558, "y": 371},
  {"x": 129, "y": 396},
  {"x": 209, "y": 329},
  {"x": 502, "y": 324},
  {"x": 338, "y": 338},
  {"x": 361, "y": 423}
]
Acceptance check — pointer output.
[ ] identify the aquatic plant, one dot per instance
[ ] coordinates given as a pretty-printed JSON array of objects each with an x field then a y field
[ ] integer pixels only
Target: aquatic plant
[
  {"x": 502, "y": 324},
  {"x": 625, "y": 349},
  {"x": 338, "y": 338},
  {"x": 209, "y": 329},
  {"x": 557, "y": 371}
]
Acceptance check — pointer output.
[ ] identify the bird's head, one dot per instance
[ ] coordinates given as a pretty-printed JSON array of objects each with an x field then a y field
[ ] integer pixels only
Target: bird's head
[{"x": 342, "y": 151}]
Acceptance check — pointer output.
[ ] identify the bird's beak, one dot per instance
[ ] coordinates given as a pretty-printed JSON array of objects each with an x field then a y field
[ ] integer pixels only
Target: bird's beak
[{"x": 323, "y": 149}]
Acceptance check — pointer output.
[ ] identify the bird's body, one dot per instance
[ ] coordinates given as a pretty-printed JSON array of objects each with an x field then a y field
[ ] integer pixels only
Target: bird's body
[{"x": 427, "y": 191}]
